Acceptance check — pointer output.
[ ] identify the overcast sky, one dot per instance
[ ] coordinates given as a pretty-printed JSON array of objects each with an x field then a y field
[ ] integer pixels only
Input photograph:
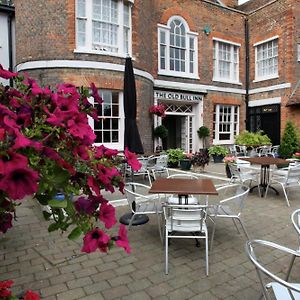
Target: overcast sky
[{"x": 242, "y": 1}]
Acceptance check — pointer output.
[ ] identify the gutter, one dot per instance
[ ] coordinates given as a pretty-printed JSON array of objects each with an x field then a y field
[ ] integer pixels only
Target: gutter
[
  {"x": 10, "y": 45},
  {"x": 247, "y": 73}
]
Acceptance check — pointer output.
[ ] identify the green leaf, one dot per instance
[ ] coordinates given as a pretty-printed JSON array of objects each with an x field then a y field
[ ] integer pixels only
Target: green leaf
[
  {"x": 75, "y": 234},
  {"x": 46, "y": 215},
  {"x": 43, "y": 199},
  {"x": 58, "y": 203},
  {"x": 53, "y": 227}
]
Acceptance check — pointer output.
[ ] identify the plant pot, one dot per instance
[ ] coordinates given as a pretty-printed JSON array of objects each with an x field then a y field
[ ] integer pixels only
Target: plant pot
[
  {"x": 227, "y": 170},
  {"x": 282, "y": 166},
  {"x": 218, "y": 158},
  {"x": 185, "y": 164},
  {"x": 173, "y": 164}
]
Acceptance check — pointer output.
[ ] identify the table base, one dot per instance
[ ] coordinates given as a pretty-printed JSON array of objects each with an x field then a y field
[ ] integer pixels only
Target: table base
[
  {"x": 138, "y": 219},
  {"x": 263, "y": 189}
]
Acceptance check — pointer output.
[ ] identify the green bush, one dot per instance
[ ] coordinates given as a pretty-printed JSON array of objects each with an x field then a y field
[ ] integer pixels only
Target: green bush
[
  {"x": 160, "y": 131},
  {"x": 200, "y": 158},
  {"x": 203, "y": 133},
  {"x": 218, "y": 150},
  {"x": 289, "y": 142},
  {"x": 252, "y": 139},
  {"x": 175, "y": 155}
]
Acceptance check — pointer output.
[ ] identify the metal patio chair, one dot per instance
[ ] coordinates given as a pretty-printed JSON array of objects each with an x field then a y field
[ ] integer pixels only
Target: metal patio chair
[
  {"x": 141, "y": 203},
  {"x": 158, "y": 165},
  {"x": 281, "y": 289},
  {"x": 181, "y": 220},
  {"x": 286, "y": 178},
  {"x": 143, "y": 171},
  {"x": 173, "y": 199},
  {"x": 229, "y": 207}
]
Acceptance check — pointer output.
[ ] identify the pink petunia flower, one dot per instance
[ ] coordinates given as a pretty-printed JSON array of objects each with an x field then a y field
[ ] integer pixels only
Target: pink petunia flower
[
  {"x": 95, "y": 93},
  {"x": 30, "y": 295},
  {"x": 95, "y": 239},
  {"x": 132, "y": 160},
  {"x": 19, "y": 182},
  {"x": 84, "y": 205},
  {"x": 6, "y": 74},
  {"x": 122, "y": 239},
  {"x": 94, "y": 185},
  {"x": 107, "y": 215}
]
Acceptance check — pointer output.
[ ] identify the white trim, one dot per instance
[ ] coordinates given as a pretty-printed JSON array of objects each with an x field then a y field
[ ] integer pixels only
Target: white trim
[
  {"x": 177, "y": 74},
  {"x": 227, "y": 81},
  {"x": 266, "y": 41},
  {"x": 275, "y": 100},
  {"x": 226, "y": 41},
  {"x": 200, "y": 88},
  {"x": 266, "y": 78},
  {"x": 79, "y": 64},
  {"x": 270, "y": 88}
]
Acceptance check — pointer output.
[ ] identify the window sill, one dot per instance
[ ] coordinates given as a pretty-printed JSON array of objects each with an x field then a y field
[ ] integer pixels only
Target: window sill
[
  {"x": 89, "y": 51},
  {"x": 225, "y": 142},
  {"x": 227, "y": 81},
  {"x": 265, "y": 78},
  {"x": 178, "y": 74}
]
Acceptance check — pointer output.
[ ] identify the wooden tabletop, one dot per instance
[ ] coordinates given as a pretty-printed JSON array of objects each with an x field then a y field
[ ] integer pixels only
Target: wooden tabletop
[
  {"x": 182, "y": 186},
  {"x": 265, "y": 160}
]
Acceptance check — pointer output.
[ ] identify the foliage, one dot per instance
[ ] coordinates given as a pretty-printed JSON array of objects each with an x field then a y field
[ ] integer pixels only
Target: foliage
[
  {"x": 218, "y": 150},
  {"x": 289, "y": 142},
  {"x": 158, "y": 110},
  {"x": 6, "y": 294},
  {"x": 46, "y": 146},
  {"x": 252, "y": 139},
  {"x": 160, "y": 131},
  {"x": 203, "y": 133},
  {"x": 200, "y": 158},
  {"x": 175, "y": 155}
]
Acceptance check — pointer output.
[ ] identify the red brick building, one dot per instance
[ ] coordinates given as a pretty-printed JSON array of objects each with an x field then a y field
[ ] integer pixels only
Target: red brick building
[{"x": 211, "y": 63}]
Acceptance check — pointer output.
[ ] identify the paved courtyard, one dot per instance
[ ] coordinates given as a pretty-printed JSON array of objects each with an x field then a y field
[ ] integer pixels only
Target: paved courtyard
[{"x": 54, "y": 266}]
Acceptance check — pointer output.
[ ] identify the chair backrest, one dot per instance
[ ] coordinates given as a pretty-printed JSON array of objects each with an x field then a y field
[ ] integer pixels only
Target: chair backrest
[
  {"x": 263, "y": 150},
  {"x": 262, "y": 270},
  {"x": 235, "y": 196},
  {"x": 162, "y": 161},
  {"x": 240, "y": 150},
  {"x": 144, "y": 163},
  {"x": 136, "y": 192},
  {"x": 185, "y": 217},
  {"x": 274, "y": 151},
  {"x": 296, "y": 222},
  {"x": 293, "y": 175},
  {"x": 183, "y": 176},
  {"x": 235, "y": 172}
]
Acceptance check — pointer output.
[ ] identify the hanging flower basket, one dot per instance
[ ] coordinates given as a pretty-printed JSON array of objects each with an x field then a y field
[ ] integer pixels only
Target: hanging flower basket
[{"x": 158, "y": 110}]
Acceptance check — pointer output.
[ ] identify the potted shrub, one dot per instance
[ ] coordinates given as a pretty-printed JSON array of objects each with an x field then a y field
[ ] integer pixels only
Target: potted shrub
[
  {"x": 161, "y": 131},
  {"x": 203, "y": 133},
  {"x": 186, "y": 163},
  {"x": 200, "y": 159},
  {"x": 218, "y": 152},
  {"x": 174, "y": 156},
  {"x": 229, "y": 159},
  {"x": 289, "y": 142}
]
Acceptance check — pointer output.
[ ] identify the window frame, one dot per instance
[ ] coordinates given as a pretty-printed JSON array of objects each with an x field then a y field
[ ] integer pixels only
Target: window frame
[
  {"x": 121, "y": 119},
  {"x": 88, "y": 47},
  {"x": 260, "y": 44},
  {"x": 216, "y": 124},
  {"x": 188, "y": 35},
  {"x": 298, "y": 52},
  {"x": 216, "y": 61}
]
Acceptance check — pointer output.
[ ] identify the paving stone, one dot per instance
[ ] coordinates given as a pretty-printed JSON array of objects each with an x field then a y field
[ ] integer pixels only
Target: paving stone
[
  {"x": 71, "y": 294},
  {"x": 116, "y": 292},
  {"x": 62, "y": 278},
  {"x": 96, "y": 287},
  {"x": 159, "y": 290},
  {"x": 80, "y": 282},
  {"x": 53, "y": 290},
  {"x": 97, "y": 296},
  {"x": 137, "y": 296}
]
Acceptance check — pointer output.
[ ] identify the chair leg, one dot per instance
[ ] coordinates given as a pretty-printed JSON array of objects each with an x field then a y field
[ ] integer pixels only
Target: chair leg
[
  {"x": 285, "y": 195},
  {"x": 267, "y": 189},
  {"x": 159, "y": 226},
  {"x": 166, "y": 252},
  {"x": 206, "y": 253},
  {"x": 131, "y": 221},
  {"x": 290, "y": 267},
  {"x": 244, "y": 229},
  {"x": 153, "y": 172},
  {"x": 149, "y": 178},
  {"x": 234, "y": 222},
  {"x": 212, "y": 235}
]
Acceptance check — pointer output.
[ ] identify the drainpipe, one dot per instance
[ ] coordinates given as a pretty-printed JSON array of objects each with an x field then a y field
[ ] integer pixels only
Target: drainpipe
[
  {"x": 247, "y": 72},
  {"x": 10, "y": 45}
]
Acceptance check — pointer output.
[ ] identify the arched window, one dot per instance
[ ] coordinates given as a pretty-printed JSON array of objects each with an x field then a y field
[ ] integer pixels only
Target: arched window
[{"x": 177, "y": 49}]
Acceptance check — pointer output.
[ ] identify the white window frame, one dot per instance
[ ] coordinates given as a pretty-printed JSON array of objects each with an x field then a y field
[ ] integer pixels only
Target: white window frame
[
  {"x": 88, "y": 47},
  {"x": 216, "y": 140},
  {"x": 121, "y": 126},
  {"x": 189, "y": 35},
  {"x": 233, "y": 66},
  {"x": 298, "y": 51},
  {"x": 260, "y": 44}
]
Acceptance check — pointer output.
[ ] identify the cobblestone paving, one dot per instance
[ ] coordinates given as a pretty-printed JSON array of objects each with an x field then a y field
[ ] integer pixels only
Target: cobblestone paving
[{"x": 54, "y": 266}]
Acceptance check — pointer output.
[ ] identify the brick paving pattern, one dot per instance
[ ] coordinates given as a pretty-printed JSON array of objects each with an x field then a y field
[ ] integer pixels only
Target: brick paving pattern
[{"x": 54, "y": 266}]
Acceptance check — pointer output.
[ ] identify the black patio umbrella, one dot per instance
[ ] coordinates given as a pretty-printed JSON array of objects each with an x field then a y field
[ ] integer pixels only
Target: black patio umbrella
[{"x": 132, "y": 138}]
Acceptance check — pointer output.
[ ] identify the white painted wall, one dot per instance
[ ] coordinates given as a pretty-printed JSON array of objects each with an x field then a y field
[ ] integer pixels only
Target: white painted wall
[
  {"x": 243, "y": 1},
  {"x": 4, "y": 50}
]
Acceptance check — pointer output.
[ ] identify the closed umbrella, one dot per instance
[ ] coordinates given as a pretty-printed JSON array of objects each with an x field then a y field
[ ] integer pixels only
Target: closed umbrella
[{"x": 132, "y": 138}]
